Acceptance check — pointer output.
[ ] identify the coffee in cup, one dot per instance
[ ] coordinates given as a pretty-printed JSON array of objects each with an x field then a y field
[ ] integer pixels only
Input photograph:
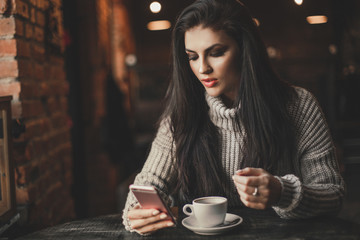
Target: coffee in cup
[{"x": 208, "y": 211}]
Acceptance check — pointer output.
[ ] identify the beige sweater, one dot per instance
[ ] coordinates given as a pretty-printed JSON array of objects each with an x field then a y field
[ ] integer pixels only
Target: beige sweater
[{"x": 312, "y": 187}]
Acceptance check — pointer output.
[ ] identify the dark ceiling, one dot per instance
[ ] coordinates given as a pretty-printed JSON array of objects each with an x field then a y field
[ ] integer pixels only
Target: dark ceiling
[{"x": 279, "y": 20}]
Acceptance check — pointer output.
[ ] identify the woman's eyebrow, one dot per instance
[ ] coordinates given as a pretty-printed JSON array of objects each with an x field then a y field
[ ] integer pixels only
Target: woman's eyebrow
[{"x": 207, "y": 49}]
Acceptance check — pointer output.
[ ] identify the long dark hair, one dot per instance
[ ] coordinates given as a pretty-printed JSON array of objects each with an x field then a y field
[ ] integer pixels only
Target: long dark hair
[{"x": 262, "y": 97}]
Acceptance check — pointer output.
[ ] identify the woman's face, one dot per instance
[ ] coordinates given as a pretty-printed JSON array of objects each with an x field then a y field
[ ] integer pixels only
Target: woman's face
[{"x": 213, "y": 57}]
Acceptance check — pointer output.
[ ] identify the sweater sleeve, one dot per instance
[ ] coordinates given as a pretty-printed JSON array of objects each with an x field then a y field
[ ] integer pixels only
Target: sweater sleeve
[
  {"x": 316, "y": 187},
  {"x": 157, "y": 170}
]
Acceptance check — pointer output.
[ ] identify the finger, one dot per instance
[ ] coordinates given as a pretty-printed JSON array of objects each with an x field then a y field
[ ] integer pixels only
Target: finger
[
  {"x": 246, "y": 189},
  {"x": 142, "y": 213},
  {"x": 249, "y": 172},
  {"x": 137, "y": 206},
  {"x": 246, "y": 180},
  {"x": 139, "y": 223},
  {"x": 156, "y": 226},
  {"x": 251, "y": 198}
]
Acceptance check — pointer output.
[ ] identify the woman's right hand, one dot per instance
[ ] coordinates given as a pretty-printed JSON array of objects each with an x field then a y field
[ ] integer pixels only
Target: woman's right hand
[{"x": 147, "y": 221}]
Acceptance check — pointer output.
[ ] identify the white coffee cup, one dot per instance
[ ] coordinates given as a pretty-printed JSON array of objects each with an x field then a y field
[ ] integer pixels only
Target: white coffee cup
[{"x": 208, "y": 211}]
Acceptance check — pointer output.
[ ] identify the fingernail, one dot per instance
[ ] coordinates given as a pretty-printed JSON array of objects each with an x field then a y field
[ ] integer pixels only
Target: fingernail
[
  {"x": 162, "y": 216},
  {"x": 156, "y": 212},
  {"x": 170, "y": 224},
  {"x": 239, "y": 171}
]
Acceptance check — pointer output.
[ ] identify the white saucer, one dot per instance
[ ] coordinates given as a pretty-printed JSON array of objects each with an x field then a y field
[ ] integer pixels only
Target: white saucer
[{"x": 231, "y": 221}]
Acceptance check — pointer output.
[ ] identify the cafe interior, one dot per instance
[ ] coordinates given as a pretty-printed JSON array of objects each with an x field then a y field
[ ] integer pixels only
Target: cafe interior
[{"x": 82, "y": 84}]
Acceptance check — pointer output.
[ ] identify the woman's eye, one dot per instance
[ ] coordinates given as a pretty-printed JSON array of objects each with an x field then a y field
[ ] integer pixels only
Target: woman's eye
[
  {"x": 192, "y": 57},
  {"x": 217, "y": 53}
]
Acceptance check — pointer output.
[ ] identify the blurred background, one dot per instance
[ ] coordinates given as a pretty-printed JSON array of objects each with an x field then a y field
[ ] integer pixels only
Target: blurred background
[{"x": 88, "y": 77}]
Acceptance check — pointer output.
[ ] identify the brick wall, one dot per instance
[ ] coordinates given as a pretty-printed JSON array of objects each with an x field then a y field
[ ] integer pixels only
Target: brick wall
[{"x": 32, "y": 71}]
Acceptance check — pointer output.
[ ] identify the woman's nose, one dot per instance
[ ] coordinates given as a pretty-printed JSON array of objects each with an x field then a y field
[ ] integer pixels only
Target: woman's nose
[{"x": 204, "y": 68}]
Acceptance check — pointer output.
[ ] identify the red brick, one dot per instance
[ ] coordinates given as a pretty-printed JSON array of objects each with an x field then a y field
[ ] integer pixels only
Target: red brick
[
  {"x": 29, "y": 89},
  {"x": 7, "y": 7},
  {"x": 45, "y": 89},
  {"x": 23, "y": 48},
  {"x": 7, "y": 26},
  {"x": 58, "y": 120},
  {"x": 32, "y": 108},
  {"x": 33, "y": 192},
  {"x": 42, "y": 4},
  {"x": 7, "y": 48},
  {"x": 3, "y": 7},
  {"x": 34, "y": 149},
  {"x": 11, "y": 88},
  {"x": 45, "y": 182},
  {"x": 38, "y": 53},
  {"x": 39, "y": 73},
  {"x": 29, "y": 30},
  {"x": 26, "y": 69},
  {"x": 57, "y": 60},
  {"x": 53, "y": 103},
  {"x": 47, "y": 162},
  {"x": 40, "y": 18},
  {"x": 64, "y": 104},
  {"x": 57, "y": 72},
  {"x": 41, "y": 146},
  {"x": 22, "y": 8},
  {"x": 37, "y": 127},
  {"x": 54, "y": 192},
  {"x": 56, "y": 2},
  {"x": 9, "y": 69},
  {"x": 32, "y": 15},
  {"x": 19, "y": 27},
  {"x": 39, "y": 34}
]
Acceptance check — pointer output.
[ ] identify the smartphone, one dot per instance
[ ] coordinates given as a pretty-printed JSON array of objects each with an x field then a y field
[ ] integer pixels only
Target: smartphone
[{"x": 149, "y": 197}]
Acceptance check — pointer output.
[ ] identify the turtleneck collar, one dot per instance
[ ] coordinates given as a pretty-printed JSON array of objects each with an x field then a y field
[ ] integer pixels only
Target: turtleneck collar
[{"x": 222, "y": 116}]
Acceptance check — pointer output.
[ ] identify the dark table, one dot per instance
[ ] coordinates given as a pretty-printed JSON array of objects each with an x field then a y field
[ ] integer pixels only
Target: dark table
[{"x": 257, "y": 224}]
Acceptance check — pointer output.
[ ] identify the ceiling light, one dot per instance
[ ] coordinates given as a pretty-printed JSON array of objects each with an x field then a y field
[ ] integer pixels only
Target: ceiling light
[
  {"x": 155, "y": 7},
  {"x": 298, "y": 2},
  {"x": 317, "y": 19},
  {"x": 158, "y": 25}
]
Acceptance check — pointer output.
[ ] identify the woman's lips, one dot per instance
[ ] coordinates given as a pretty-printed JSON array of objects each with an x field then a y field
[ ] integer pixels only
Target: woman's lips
[{"x": 209, "y": 82}]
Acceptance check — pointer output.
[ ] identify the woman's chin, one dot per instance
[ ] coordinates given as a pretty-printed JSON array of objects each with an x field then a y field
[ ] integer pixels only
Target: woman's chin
[{"x": 213, "y": 93}]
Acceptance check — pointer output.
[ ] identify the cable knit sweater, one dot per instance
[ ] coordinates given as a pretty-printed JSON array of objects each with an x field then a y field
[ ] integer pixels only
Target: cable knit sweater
[{"x": 313, "y": 185}]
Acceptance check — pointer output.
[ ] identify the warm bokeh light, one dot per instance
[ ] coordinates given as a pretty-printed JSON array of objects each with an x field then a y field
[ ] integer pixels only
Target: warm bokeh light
[
  {"x": 158, "y": 25},
  {"x": 317, "y": 19},
  {"x": 130, "y": 60},
  {"x": 298, "y": 2},
  {"x": 155, "y": 7},
  {"x": 333, "y": 49},
  {"x": 257, "y": 22}
]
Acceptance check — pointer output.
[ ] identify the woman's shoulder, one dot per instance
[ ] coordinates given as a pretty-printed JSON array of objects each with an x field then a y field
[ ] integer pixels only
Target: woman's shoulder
[
  {"x": 304, "y": 101},
  {"x": 305, "y": 109},
  {"x": 314, "y": 137},
  {"x": 304, "y": 94}
]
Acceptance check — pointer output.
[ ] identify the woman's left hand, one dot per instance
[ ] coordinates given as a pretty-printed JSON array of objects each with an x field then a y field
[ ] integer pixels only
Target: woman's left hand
[{"x": 257, "y": 188}]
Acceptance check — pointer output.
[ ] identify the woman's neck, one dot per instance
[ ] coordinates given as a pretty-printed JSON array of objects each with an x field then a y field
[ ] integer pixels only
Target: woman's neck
[{"x": 229, "y": 102}]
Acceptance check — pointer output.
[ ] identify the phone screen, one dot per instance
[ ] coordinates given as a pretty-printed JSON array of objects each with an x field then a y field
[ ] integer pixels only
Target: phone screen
[{"x": 148, "y": 197}]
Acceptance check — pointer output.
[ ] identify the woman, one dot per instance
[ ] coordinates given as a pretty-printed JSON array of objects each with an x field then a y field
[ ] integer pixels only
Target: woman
[{"x": 232, "y": 128}]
